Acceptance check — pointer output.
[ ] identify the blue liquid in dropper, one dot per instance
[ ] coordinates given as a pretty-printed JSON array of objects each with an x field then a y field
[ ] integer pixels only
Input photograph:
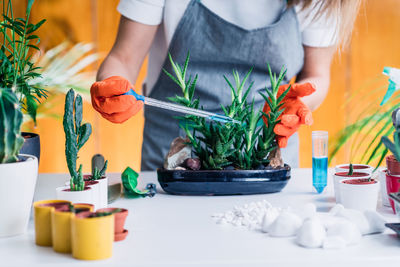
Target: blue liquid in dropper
[{"x": 320, "y": 173}]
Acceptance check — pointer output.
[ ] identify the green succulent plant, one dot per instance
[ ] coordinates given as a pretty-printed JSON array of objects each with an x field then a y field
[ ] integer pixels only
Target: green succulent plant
[
  {"x": 97, "y": 174},
  {"x": 16, "y": 65},
  {"x": 218, "y": 145},
  {"x": 76, "y": 135}
]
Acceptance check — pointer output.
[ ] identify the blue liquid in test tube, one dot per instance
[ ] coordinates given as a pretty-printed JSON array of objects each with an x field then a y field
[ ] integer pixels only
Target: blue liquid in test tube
[{"x": 320, "y": 160}]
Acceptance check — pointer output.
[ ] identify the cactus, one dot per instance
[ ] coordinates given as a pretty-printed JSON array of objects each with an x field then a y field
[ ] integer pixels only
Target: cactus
[
  {"x": 97, "y": 174},
  {"x": 76, "y": 135},
  {"x": 11, "y": 140}
]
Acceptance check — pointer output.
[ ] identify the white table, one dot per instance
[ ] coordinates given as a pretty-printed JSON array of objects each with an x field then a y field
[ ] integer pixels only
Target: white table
[{"x": 172, "y": 230}]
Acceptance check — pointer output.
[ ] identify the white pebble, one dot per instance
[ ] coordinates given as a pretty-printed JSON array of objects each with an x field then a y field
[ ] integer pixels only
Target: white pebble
[
  {"x": 337, "y": 208},
  {"x": 356, "y": 217},
  {"x": 346, "y": 230},
  {"x": 376, "y": 222},
  {"x": 269, "y": 217},
  {"x": 311, "y": 234},
  {"x": 334, "y": 242},
  {"x": 286, "y": 224}
]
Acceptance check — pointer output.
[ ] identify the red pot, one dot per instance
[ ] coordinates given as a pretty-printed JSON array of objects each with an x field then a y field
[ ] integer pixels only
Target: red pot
[
  {"x": 392, "y": 186},
  {"x": 393, "y": 165},
  {"x": 119, "y": 221}
]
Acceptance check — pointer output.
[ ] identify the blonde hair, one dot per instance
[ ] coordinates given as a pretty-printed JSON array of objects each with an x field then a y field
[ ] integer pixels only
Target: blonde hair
[{"x": 344, "y": 11}]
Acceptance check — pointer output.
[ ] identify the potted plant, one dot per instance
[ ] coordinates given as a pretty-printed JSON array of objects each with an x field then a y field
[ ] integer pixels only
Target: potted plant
[
  {"x": 359, "y": 194},
  {"x": 231, "y": 158},
  {"x": 346, "y": 175},
  {"x": 61, "y": 225},
  {"x": 98, "y": 176},
  {"x": 18, "y": 70},
  {"x": 92, "y": 235},
  {"x": 76, "y": 135},
  {"x": 42, "y": 218},
  {"x": 18, "y": 171},
  {"x": 120, "y": 215},
  {"x": 392, "y": 161}
]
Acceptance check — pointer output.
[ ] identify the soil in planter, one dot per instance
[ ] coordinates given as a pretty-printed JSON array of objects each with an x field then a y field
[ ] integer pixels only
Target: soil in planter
[
  {"x": 90, "y": 182},
  {"x": 359, "y": 181},
  {"x": 89, "y": 177},
  {"x": 56, "y": 205},
  {"x": 356, "y": 174},
  {"x": 355, "y": 167}
]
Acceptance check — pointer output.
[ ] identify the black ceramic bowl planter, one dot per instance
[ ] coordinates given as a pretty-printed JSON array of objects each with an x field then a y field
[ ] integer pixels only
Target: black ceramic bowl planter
[
  {"x": 31, "y": 144},
  {"x": 223, "y": 182}
]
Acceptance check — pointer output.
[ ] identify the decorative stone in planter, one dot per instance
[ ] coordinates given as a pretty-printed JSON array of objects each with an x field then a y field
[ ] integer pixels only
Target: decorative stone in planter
[
  {"x": 359, "y": 194},
  {"x": 225, "y": 182},
  {"x": 343, "y": 176},
  {"x": 31, "y": 145},
  {"x": 392, "y": 186},
  {"x": 356, "y": 167},
  {"x": 17, "y": 186},
  {"x": 92, "y": 237},
  {"x": 120, "y": 215},
  {"x": 42, "y": 217},
  {"x": 84, "y": 196},
  {"x": 382, "y": 182},
  {"x": 393, "y": 166},
  {"x": 61, "y": 225}
]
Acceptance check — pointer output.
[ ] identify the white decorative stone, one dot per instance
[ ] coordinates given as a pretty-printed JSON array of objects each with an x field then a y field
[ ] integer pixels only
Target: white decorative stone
[
  {"x": 270, "y": 216},
  {"x": 346, "y": 230},
  {"x": 311, "y": 234},
  {"x": 356, "y": 217},
  {"x": 376, "y": 222},
  {"x": 286, "y": 224},
  {"x": 336, "y": 209},
  {"x": 334, "y": 242}
]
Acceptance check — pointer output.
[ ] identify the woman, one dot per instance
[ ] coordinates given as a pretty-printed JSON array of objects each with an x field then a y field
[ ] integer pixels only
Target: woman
[{"x": 221, "y": 35}]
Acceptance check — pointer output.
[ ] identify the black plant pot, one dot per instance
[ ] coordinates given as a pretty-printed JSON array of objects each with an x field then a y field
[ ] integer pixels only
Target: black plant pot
[
  {"x": 225, "y": 182},
  {"x": 31, "y": 145}
]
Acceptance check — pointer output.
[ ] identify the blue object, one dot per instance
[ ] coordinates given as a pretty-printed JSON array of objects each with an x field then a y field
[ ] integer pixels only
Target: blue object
[
  {"x": 320, "y": 173},
  {"x": 393, "y": 86},
  {"x": 136, "y": 95}
]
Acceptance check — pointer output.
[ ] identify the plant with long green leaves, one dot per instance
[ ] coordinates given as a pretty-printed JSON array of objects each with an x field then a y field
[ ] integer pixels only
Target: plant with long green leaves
[
  {"x": 218, "y": 145},
  {"x": 394, "y": 146},
  {"x": 76, "y": 135},
  {"x": 16, "y": 65}
]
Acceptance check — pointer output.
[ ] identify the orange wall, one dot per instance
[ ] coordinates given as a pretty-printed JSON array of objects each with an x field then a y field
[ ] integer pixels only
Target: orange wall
[{"x": 374, "y": 45}]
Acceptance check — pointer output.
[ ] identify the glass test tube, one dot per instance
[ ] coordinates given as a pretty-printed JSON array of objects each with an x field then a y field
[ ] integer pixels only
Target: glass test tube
[{"x": 320, "y": 159}]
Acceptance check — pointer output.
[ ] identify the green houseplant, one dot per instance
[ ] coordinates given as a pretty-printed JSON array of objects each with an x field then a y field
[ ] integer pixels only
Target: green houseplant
[
  {"x": 18, "y": 172},
  {"x": 231, "y": 151},
  {"x": 17, "y": 68}
]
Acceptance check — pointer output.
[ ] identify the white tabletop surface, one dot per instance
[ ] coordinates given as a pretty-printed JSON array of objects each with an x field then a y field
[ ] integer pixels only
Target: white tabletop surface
[{"x": 170, "y": 230}]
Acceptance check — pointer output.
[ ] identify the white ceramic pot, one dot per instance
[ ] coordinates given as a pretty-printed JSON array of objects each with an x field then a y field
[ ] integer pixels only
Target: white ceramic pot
[
  {"x": 95, "y": 186},
  {"x": 356, "y": 168},
  {"x": 382, "y": 182},
  {"x": 359, "y": 196},
  {"x": 343, "y": 176},
  {"x": 85, "y": 196},
  {"x": 103, "y": 184},
  {"x": 17, "y": 186}
]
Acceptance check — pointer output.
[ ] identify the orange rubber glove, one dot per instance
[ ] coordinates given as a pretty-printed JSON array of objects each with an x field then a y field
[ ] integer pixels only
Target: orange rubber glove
[
  {"x": 295, "y": 114},
  {"x": 109, "y": 101}
]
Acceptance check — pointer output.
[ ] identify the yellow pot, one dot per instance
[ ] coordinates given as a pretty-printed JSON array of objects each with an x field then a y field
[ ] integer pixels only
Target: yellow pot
[
  {"x": 61, "y": 228},
  {"x": 92, "y": 238},
  {"x": 42, "y": 215}
]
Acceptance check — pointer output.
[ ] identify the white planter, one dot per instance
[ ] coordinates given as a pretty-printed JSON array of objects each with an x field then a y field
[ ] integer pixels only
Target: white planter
[
  {"x": 337, "y": 177},
  {"x": 103, "y": 183},
  {"x": 382, "y": 182},
  {"x": 17, "y": 186},
  {"x": 95, "y": 186},
  {"x": 345, "y": 168},
  {"x": 359, "y": 196},
  {"x": 85, "y": 196}
]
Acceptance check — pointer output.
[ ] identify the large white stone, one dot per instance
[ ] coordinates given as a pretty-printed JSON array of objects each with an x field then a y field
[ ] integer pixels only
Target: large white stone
[
  {"x": 270, "y": 216},
  {"x": 311, "y": 234},
  {"x": 346, "y": 230},
  {"x": 286, "y": 224},
  {"x": 334, "y": 242},
  {"x": 376, "y": 222},
  {"x": 357, "y": 217}
]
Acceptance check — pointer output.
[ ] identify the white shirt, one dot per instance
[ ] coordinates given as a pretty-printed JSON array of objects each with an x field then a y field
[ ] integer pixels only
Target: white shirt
[{"x": 248, "y": 14}]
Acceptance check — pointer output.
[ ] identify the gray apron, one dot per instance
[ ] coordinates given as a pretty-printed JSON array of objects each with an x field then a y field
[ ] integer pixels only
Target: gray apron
[{"x": 216, "y": 48}]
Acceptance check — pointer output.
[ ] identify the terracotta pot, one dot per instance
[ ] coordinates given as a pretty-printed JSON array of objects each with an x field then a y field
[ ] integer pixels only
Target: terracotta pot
[
  {"x": 356, "y": 167},
  {"x": 42, "y": 218},
  {"x": 393, "y": 166},
  {"x": 343, "y": 176},
  {"x": 359, "y": 194},
  {"x": 119, "y": 217},
  {"x": 392, "y": 186},
  {"x": 92, "y": 238}
]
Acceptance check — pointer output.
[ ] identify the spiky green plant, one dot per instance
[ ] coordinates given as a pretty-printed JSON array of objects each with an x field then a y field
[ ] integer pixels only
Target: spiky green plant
[
  {"x": 16, "y": 67},
  {"x": 97, "y": 174},
  {"x": 11, "y": 140},
  {"x": 394, "y": 146},
  {"x": 76, "y": 135},
  {"x": 244, "y": 146}
]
